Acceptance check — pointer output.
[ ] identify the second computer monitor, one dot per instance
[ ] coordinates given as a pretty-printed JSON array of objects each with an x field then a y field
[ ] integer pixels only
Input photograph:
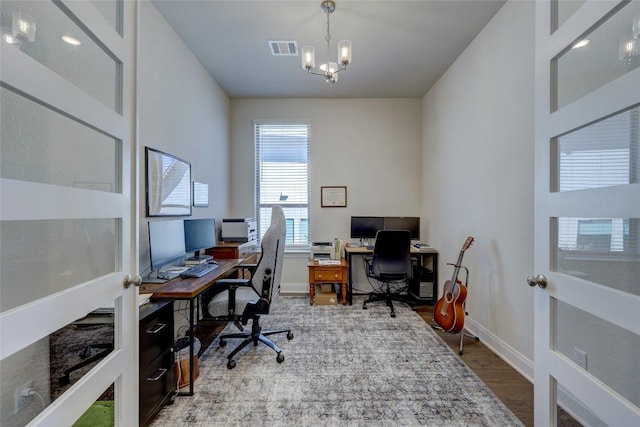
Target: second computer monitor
[
  {"x": 199, "y": 234},
  {"x": 411, "y": 223}
]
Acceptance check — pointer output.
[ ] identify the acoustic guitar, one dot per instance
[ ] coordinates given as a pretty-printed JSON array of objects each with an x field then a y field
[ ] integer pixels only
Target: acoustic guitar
[{"x": 449, "y": 310}]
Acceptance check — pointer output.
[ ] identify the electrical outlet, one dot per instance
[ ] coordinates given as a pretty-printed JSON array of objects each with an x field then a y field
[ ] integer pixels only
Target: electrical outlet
[
  {"x": 21, "y": 396},
  {"x": 580, "y": 357}
]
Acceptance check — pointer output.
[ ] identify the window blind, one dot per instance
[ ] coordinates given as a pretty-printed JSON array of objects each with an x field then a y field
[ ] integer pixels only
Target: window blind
[{"x": 282, "y": 177}]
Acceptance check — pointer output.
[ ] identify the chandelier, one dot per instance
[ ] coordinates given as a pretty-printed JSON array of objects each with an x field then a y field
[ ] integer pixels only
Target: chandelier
[{"x": 329, "y": 70}]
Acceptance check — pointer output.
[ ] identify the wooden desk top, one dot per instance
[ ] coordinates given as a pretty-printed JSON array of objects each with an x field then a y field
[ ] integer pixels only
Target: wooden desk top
[
  {"x": 414, "y": 250},
  {"x": 315, "y": 263},
  {"x": 188, "y": 288}
]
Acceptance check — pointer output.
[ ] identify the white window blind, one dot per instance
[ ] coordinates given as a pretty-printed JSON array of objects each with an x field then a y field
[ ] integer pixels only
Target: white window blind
[
  {"x": 602, "y": 154},
  {"x": 282, "y": 177}
]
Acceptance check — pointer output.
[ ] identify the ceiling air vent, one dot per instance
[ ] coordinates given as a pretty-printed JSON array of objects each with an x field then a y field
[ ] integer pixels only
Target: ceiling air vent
[{"x": 283, "y": 48}]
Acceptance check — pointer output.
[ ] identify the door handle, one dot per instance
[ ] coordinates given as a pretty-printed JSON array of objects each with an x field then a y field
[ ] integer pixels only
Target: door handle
[
  {"x": 539, "y": 280},
  {"x": 129, "y": 280}
]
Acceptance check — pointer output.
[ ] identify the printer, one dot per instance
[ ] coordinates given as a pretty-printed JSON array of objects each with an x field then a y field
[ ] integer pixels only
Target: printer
[{"x": 239, "y": 230}]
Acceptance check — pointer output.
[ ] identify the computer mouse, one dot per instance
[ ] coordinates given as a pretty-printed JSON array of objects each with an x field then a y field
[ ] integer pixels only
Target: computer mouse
[{"x": 214, "y": 262}]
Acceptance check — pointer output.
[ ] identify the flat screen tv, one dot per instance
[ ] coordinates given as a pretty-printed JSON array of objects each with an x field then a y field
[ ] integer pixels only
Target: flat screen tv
[
  {"x": 199, "y": 234},
  {"x": 411, "y": 223},
  {"x": 366, "y": 227},
  {"x": 168, "y": 184},
  {"x": 166, "y": 242}
]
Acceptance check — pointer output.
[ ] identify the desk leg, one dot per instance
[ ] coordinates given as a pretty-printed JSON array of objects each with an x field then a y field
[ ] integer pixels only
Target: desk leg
[
  {"x": 350, "y": 285},
  {"x": 192, "y": 335}
]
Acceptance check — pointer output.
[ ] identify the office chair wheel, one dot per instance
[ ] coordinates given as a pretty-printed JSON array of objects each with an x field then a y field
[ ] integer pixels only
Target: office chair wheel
[
  {"x": 280, "y": 358},
  {"x": 289, "y": 335},
  {"x": 222, "y": 343},
  {"x": 231, "y": 364},
  {"x": 364, "y": 307},
  {"x": 393, "y": 314}
]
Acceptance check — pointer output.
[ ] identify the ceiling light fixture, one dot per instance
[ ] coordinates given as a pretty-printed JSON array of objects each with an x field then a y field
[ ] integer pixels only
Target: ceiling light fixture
[
  {"x": 329, "y": 69},
  {"x": 71, "y": 40},
  {"x": 581, "y": 43}
]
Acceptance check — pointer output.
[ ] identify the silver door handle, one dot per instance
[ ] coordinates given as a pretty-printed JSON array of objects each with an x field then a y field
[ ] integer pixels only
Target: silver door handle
[
  {"x": 134, "y": 280},
  {"x": 539, "y": 280}
]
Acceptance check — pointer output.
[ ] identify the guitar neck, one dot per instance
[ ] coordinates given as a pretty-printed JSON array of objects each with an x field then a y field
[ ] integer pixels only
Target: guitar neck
[{"x": 456, "y": 270}]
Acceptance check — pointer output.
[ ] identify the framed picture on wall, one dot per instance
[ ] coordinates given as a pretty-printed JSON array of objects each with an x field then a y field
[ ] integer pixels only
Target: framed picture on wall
[
  {"x": 168, "y": 184},
  {"x": 200, "y": 194},
  {"x": 333, "y": 197}
]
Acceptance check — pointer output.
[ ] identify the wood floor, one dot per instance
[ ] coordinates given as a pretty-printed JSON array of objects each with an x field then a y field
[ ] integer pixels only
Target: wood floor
[{"x": 515, "y": 391}]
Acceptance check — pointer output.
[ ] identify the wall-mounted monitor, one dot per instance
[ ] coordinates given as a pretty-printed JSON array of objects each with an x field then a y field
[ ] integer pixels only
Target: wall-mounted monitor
[
  {"x": 199, "y": 234},
  {"x": 411, "y": 223},
  {"x": 168, "y": 184},
  {"x": 166, "y": 242},
  {"x": 366, "y": 227}
]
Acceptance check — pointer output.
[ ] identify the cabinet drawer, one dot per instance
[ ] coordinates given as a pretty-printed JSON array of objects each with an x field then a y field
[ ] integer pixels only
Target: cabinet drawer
[
  {"x": 156, "y": 335},
  {"x": 156, "y": 385},
  {"x": 327, "y": 275}
]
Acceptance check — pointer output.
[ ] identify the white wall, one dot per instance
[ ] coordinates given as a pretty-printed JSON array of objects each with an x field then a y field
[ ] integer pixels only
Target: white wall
[
  {"x": 478, "y": 135},
  {"x": 371, "y": 146},
  {"x": 183, "y": 112}
]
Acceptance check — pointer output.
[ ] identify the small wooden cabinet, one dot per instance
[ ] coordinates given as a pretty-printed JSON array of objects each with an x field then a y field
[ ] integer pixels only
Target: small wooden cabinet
[
  {"x": 333, "y": 273},
  {"x": 235, "y": 250},
  {"x": 157, "y": 382}
]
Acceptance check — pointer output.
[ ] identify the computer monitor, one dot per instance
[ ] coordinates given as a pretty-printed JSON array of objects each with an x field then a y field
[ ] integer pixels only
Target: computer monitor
[
  {"x": 166, "y": 242},
  {"x": 366, "y": 227},
  {"x": 199, "y": 234},
  {"x": 411, "y": 223}
]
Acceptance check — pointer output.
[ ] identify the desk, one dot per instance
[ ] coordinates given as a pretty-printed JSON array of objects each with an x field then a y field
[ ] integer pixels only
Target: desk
[
  {"x": 190, "y": 289},
  {"x": 319, "y": 273},
  {"x": 427, "y": 256}
]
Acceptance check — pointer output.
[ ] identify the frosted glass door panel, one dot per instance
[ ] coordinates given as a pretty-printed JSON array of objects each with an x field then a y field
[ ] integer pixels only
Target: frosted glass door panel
[
  {"x": 563, "y": 9},
  {"x": 55, "y": 363},
  {"x": 41, "y": 145},
  {"x": 87, "y": 65},
  {"x": 601, "y": 250},
  {"x": 40, "y": 258},
  {"x": 601, "y": 348},
  {"x": 602, "y": 154},
  {"x": 112, "y": 12},
  {"x": 581, "y": 71}
]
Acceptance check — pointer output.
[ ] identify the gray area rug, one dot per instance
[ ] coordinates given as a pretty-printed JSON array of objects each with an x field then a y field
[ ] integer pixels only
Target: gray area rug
[{"x": 345, "y": 367}]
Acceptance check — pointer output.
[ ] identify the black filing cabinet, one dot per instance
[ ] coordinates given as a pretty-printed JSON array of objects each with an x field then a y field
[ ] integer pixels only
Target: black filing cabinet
[{"x": 157, "y": 383}]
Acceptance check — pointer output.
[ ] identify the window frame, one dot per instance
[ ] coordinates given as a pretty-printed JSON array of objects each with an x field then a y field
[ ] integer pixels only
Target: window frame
[{"x": 301, "y": 242}]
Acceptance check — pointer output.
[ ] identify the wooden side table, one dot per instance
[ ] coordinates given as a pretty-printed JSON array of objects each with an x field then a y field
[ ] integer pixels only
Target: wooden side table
[{"x": 319, "y": 273}]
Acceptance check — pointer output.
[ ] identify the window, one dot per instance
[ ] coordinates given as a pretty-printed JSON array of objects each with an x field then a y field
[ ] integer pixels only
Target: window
[{"x": 282, "y": 178}]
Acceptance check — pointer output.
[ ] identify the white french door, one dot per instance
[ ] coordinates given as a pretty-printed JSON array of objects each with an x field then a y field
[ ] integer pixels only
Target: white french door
[
  {"x": 587, "y": 212},
  {"x": 68, "y": 212}
]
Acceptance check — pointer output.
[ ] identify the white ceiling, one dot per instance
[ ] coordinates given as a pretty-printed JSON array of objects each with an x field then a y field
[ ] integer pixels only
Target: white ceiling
[{"x": 400, "y": 48}]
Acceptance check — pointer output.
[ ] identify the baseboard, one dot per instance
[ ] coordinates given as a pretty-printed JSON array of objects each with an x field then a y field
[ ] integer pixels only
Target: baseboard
[
  {"x": 525, "y": 367},
  {"x": 510, "y": 355}
]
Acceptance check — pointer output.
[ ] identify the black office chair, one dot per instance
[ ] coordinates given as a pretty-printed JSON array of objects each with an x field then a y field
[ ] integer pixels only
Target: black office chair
[
  {"x": 246, "y": 299},
  {"x": 390, "y": 266}
]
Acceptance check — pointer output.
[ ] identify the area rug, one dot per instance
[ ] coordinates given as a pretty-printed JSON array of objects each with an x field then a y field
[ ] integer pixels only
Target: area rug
[{"x": 345, "y": 367}]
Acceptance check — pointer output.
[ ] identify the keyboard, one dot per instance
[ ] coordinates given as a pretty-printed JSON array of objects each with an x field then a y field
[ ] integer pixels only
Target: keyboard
[{"x": 198, "y": 270}]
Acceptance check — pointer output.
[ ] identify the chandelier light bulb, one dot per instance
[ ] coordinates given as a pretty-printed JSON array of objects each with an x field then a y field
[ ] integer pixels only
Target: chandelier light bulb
[
  {"x": 344, "y": 52},
  {"x": 9, "y": 38},
  {"x": 628, "y": 48},
  {"x": 308, "y": 58},
  {"x": 24, "y": 26}
]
